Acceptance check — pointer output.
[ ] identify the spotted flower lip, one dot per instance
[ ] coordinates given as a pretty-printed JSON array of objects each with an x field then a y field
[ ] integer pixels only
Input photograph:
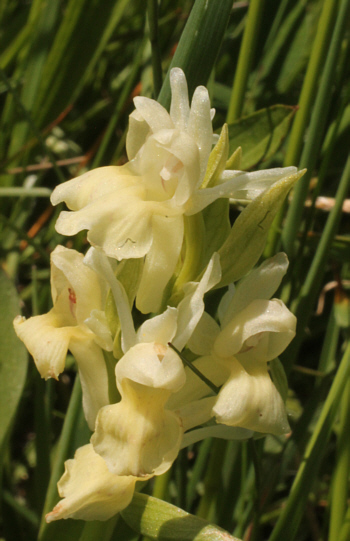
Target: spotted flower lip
[
  {"x": 76, "y": 322},
  {"x": 137, "y": 210}
]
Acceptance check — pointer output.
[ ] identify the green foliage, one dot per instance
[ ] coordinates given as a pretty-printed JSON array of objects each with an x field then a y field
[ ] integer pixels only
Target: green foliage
[
  {"x": 69, "y": 71},
  {"x": 13, "y": 358},
  {"x": 260, "y": 134}
]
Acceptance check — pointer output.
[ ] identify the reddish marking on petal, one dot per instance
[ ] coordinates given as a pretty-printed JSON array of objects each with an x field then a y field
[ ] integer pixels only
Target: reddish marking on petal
[
  {"x": 178, "y": 166},
  {"x": 72, "y": 301},
  {"x": 72, "y": 296}
]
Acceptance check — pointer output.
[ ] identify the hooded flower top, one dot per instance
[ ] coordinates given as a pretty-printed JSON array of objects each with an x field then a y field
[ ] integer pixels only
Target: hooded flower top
[{"x": 137, "y": 210}]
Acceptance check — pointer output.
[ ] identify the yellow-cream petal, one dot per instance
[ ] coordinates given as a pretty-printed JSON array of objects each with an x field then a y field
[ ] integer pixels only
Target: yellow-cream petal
[{"x": 89, "y": 490}]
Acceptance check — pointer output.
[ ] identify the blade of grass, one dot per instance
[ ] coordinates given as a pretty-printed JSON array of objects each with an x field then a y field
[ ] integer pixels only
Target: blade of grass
[
  {"x": 339, "y": 489},
  {"x": 127, "y": 87},
  {"x": 245, "y": 59},
  {"x": 316, "y": 130},
  {"x": 305, "y": 302},
  {"x": 99, "y": 530},
  {"x": 306, "y": 99},
  {"x": 152, "y": 17},
  {"x": 312, "y": 75},
  {"x": 28, "y": 117},
  {"x": 291, "y": 515},
  {"x": 61, "y": 454},
  {"x": 199, "y": 44}
]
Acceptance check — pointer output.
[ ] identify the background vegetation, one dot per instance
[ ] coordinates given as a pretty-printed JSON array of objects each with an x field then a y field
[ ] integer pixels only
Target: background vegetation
[{"x": 278, "y": 72}]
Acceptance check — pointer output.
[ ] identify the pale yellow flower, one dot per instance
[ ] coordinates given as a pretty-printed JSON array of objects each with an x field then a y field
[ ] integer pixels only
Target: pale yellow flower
[
  {"x": 76, "y": 322},
  {"x": 138, "y": 210},
  {"x": 89, "y": 490},
  {"x": 254, "y": 329}
]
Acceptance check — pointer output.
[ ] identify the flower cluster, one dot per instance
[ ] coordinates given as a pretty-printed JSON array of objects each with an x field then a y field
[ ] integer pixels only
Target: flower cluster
[{"x": 137, "y": 218}]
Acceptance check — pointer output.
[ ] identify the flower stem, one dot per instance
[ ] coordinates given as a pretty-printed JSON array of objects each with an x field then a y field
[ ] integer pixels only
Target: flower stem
[
  {"x": 246, "y": 56},
  {"x": 195, "y": 370}
]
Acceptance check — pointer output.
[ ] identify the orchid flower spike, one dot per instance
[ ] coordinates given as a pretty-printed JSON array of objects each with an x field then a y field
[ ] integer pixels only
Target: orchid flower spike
[
  {"x": 138, "y": 210},
  {"x": 139, "y": 435}
]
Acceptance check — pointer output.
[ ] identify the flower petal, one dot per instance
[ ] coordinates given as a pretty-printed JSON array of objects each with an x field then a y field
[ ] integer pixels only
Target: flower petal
[
  {"x": 86, "y": 291},
  {"x": 138, "y": 436},
  {"x": 200, "y": 126},
  {"x": 250, "y": 400},
  {"x": 160, "y": 262},
  {"x": 154, "y": 114},
  {"x": 261, "y": 331},
  {"x": 81, "y": 191},
  {"x": 191, "y": 308},
  {"x": 239, "y": 185},
  {"x": 202, "y": 340},
  {"x": 261, "y": 283},
  {"x": 46, "y": 341},
  {"x": 161, "y": 328},
  {"x": 89, "y": 490},
  {"x": 153, "y": 365},
  {"x": 180, "y": 107},
  {"x": 93, "y": 377}
]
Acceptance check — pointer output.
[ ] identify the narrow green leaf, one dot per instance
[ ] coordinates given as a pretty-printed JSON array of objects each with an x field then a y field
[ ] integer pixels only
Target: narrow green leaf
[
  {"x": 300, "y": 47},
  {"x": 13, "y": 357},
  {"x": 316, "y": 129},
  {"x": 217, "y": 160},
  {"x": 217, "y": 227},
  {"x": 292, "y": 513},
  {"x": 246, "y": 241},
  {"x": 245, "y": 59},
  {"x": 161, "y": 520},
  {"x": 260, "y": 134},
  {"x": 279, "y": 377},
  {"x": 74, "y": 53},
  {"x": 199, "y": 44}
]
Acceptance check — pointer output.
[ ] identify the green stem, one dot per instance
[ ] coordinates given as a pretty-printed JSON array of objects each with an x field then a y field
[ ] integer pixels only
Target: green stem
[
  {"x": 99, "y": 530},
  {"x": 306, "y": 100},
  {"x": 194, "y": 244},
  {"x": 345, "y": 531},
  {"x": 339, "y": 490},
  {"x": 25, "y": 192},
  {"x": 212, "y": 482},
  {"x": 191, "y": 366},
  {"x": 61, "y": 454},
  {"x": 316, "y": 128},
  {"x": 311, "y": 80},
  {"x": 152, "y": 15},
  {"x": 160, "y": 487},
  {"x": 125, "y": 93},
  {"x": 310, "y": 288},
  {"x": 245, "y": 59},
  {"x": 26, "y": 114},
  {"x": 199, "y": 45},
  {"x": 290, "y": 518},
  {"x": 197, "y": 471}
]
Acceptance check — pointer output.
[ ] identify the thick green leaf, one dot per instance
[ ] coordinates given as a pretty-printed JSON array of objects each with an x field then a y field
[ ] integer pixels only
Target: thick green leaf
[
  {"x": 161, "y": 520},
  {"x": 260, "y": 134},
  {"x": 247, "y": 238},
  {"x": 13, "y": 356}
]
